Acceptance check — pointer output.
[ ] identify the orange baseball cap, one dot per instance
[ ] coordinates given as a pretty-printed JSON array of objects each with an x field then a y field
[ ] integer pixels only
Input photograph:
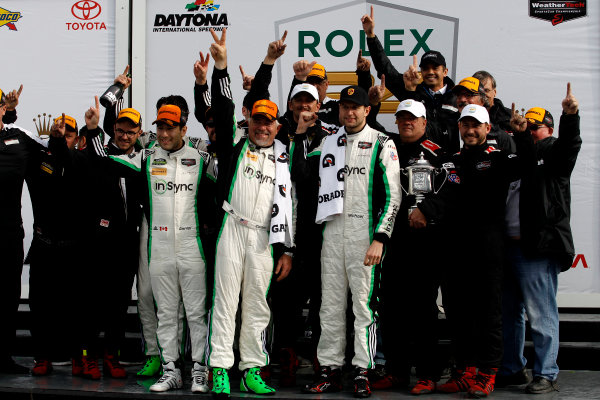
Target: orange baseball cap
[
  {"x": 69, "y": 121},
  {"x": 130, "y": 114},
  {"x": 318, "y": 71},
  {"x": 470, "y": 83},
  {"x": 170, "y": 114},
  {"x": 266, "y": 108}
]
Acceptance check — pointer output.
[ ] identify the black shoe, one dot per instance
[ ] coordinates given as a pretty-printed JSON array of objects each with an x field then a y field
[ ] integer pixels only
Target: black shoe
[
  {"x": 518, "y": 378},
  {"x": 9, "y": 366},
  {"x": 362, "y": 387},
  {"x": 326, "y": 381},
  {"x": 541, "y": 385}
]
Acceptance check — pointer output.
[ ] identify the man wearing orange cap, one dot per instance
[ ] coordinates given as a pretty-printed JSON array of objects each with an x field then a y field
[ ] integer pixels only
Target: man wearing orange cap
[
  {"x": 540, "y": 246},
  {"x": 256, "y": 236},
  {"x": 19, "y": 157},
  {"x": 56, "y": 251}
]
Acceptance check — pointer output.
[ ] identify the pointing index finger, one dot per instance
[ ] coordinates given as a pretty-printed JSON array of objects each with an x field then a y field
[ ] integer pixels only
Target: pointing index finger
[
  {"x": 20, "y": 90},
  {"x": 242, "y": 71},
  {"x": 383, "y": 81},
  {"x": 97, "y": 103},
  {"x": 62, "y": 121},
  {"x": 126, "y": 70},
  {"x": 568, "y": 89},
  {"x": 513, "y": 109},
  {"x": 359, "y": 54},
  {"x": 284, "y": 36},
  {"x": 371, "y": 12},
  {"x": 415, "y": 61}
]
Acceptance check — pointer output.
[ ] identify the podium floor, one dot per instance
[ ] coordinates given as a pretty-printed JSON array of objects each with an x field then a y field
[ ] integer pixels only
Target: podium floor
[{"x": 62, "y": 385}]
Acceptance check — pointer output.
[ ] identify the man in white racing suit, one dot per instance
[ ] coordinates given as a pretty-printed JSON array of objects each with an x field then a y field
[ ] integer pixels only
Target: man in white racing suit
[{"x": 363, "y": 192}]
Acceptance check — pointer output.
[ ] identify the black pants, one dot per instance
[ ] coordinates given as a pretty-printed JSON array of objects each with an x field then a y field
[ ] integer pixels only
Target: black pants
[
  {"x": 473, "y": 297},
  {"x": 53, "y": 268},
  {"x": 290, "y": 296},
  {"x": 409, "y": 314},
  {"x": 11, "y": 266}
]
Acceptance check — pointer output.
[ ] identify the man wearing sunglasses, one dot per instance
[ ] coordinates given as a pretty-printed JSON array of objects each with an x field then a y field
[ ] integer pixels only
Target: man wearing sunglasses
[{"x": 540, "y": 246}]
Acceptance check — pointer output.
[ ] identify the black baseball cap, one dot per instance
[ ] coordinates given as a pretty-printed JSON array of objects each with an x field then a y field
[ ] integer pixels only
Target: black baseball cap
[
  {"x": 355, "y": 94},
  {"x": 432, "y": 57}
]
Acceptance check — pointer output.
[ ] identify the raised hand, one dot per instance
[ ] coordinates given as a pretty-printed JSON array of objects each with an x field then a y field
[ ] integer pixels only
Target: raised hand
[
  {"x": 377, "y": 92},
  {"x": 368, "y": 23},
  {"x": 246, "y": 79},
  {"x": 58, "y": 129},
  {"x": 275, "y": 50},
  {"x": 218, "y": 49},
  {"x": 518, "y": 123},
  {"x": 302, "y": 69},
  {"x": 12, "y": 99},
  {"x": 412, "y": 76},
  {"x": 92, "y": 115},
  {"x": 123, "y": 79},
  {"x": 305, "y": 120},
  {"x": 201, "y": 68},
  {"x": 570, "y": 104},
  {"x": 362, "y": 64}
]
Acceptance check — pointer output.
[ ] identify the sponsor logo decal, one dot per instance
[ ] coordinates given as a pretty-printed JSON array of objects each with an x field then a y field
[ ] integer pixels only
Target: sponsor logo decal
[
  {"x": 393, "y": 156},
  {"x": 104, "y": 223},
  {"x": 8, "y": 142},
  {"x": 9, "y": 18},
  {"x": 283, "y": 158},
  {"x": 341, "y": 140},
  {"x": 282, "y": 190},
  {"x": 275, "y": 211},
  {"x": 85, "y": 11},
  {"x": 483, "y": 165},
  {"x": 355, "y": 170},
  {"x": 324, "y": 198},
  {"x": 272, "y": 157},
  {"x": 328, "y": 161},
  {"x": 340, "y": 175},
  {"x": 454, "y": 178},
  {"x": 365, "y": 145},
  {"x": 201, "y": 16},
  {"x": 251, "y": 156},
  {"x": 557, "y": 12},
  {"x": 161, "y": 186},
  {"x": 47, "y": 168},
  {"x": 159, "y": 171},
  {"x": 188, "y": 162},
  {"x": 251, "y": 172},
  {"x": 278, "y": 228},
  {"x": 159, "y": 161},
  {"x": 160, "y": 228}
]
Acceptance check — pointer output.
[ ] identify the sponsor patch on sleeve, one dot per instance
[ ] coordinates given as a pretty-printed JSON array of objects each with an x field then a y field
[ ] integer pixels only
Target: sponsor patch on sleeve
[{"x": 454, "y": 178}]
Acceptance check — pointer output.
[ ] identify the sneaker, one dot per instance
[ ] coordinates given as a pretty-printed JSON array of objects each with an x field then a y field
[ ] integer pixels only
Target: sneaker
[
  {"x": 289, "y": 365},
  {"x": 326, "y": 381},
  {"x": 460, "y": 381},
  {"x": 112, "y": 367},
  {"x": 484, "y": 383},
  {"x": 390, "y": 381},
  {"x": 90, "y": 369},
  {"x": 423, "y": 386},
  {"x": 254, "y": 383},
  {"x": 519, "y": 378},
  {"x": 221, "y": 388},
  {"x": 41, "y": 367},
  {"x": 151, "y": 368},
  {"x": 76, "y": 366},
  {"x": 199, "y": 378},
  {"x": 542, "y": 385},
  {"x": 362, "y": 387},
  {"x": 171, "y": 379}
]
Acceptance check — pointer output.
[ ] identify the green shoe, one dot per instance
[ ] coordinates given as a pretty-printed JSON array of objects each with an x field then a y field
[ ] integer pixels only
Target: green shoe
[
  {"x": 253, "y": 382},
  {"x": 220, "y": 383},
  {"x": 152, "y": 367}
]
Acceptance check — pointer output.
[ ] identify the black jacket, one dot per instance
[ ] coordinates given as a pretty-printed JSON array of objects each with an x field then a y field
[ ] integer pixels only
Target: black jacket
[
  {"x": 545, "y": 199},
  {"x": 500, "y": 115}
]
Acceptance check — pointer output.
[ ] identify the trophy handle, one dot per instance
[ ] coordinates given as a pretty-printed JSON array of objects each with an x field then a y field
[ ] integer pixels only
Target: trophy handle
[{"x": 438, "y": 171}]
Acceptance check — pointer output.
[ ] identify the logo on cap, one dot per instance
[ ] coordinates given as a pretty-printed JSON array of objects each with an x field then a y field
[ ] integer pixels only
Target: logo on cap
[{"x": 350, "y": 92}]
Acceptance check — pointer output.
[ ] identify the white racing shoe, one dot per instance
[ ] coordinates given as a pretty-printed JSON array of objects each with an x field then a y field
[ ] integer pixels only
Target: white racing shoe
[
  {"x": 199, "y": 378},
  {"x": 171, "y": 379}
]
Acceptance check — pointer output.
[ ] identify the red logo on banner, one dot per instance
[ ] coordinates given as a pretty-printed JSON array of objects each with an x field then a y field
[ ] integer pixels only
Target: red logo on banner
[
  {"x": 580, "y": 257},
  {"x": 86, "y": 9}
]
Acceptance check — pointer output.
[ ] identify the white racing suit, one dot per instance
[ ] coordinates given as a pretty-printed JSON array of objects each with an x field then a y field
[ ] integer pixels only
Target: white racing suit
[
  {"x": 175, "y": 254},
  {"x": 244, "y": 258},
  {"x": 371, "y": 200}
]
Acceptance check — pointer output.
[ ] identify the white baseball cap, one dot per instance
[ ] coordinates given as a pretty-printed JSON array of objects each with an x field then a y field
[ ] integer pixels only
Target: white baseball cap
[
  {"x": 305, "y": 87},
  {"x": 414, "y": 107},
  {"x": 477, "y": 112}
]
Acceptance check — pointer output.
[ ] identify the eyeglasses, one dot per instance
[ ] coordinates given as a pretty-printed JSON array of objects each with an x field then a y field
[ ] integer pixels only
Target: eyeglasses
[{"x": 121, "y": 132}]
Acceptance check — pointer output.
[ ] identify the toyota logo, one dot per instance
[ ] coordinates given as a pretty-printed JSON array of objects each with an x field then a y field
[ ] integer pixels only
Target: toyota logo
[{"x": 86, "y": 9}]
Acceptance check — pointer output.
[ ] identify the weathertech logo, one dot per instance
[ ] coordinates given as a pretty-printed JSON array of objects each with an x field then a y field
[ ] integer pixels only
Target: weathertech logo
[
  {"x": 195, "y": 20},
  {"x": 557, "y": 12},
  {"x": 86, "y": 11},
  {"x": 9, "y": 18}
]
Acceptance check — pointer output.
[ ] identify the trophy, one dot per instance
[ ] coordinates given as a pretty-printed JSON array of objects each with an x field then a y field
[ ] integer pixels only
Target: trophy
[{"x": 421, "y": 180}]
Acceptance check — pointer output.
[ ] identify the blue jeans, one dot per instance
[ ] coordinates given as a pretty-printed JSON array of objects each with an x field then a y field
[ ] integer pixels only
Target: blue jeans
[{"x": 530, "y": 286}]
